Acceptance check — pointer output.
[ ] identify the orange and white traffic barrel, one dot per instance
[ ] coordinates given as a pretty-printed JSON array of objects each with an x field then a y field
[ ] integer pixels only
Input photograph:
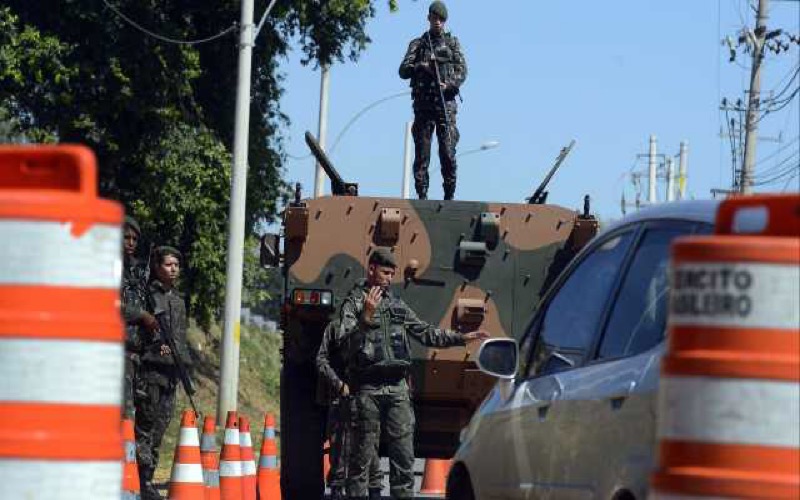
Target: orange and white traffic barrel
[
  {"x": 61, "y": 333},
  {"x": 729, "y": 395}
]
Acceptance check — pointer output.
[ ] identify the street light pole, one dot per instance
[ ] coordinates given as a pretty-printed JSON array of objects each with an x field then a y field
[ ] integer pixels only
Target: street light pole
[
  {"x": 324, "y": 85},
  {"x": 405, "y": 190},
  {"x": 229, "y": 356}
]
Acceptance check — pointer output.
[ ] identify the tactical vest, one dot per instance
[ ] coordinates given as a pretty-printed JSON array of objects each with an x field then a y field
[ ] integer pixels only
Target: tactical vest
[
  {"x": 381, "y": 350},
  {"x": 424, "y": 88}
]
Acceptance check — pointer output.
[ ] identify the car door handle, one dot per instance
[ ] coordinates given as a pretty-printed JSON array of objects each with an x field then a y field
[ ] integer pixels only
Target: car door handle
[{"x": 618, "y": 400}]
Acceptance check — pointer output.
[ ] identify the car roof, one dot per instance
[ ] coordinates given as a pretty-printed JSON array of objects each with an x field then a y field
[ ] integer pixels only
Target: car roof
[{"x": 692, "y": 211}]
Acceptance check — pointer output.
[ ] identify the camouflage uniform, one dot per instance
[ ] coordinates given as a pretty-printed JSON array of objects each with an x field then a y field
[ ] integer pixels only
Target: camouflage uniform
[
  {"x": 331, "y": 364},
  {"x": 379, "y": 358},
  {"x": 429, "y": 115},
  {"x": 157, "y": 381},
  {"x": 134, "y": 301}
]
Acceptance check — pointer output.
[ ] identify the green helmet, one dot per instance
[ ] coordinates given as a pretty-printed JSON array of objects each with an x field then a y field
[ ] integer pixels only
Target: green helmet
[
  {"x": 382, "y": 256},
  {"x": 438, "y": 8}
]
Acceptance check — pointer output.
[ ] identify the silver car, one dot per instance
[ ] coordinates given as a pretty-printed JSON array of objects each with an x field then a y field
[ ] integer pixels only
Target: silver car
[{"x": 573, "y": 414}]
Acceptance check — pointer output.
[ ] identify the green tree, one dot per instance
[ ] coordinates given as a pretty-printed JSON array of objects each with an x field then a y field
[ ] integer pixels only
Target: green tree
[{"x": 159, "y": 115}]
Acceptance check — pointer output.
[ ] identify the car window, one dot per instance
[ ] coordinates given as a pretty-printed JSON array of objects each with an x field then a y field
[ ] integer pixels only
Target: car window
[
  {"x": 638, "y": 318},
  {"x": 571, "y": 317}
]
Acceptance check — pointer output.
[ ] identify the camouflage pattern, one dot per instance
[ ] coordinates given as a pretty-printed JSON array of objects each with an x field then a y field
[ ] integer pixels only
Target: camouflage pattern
[
  {"x": 331, "y": 364},
  {"x": 378, "y": 363},
  {"x": 157, "y": 381},
  {"x": 134, "y": 301},
  {"x": 425, "y": 122},
  {"x": 327, "y": 243},
  {"x": 430, "y": 113}
]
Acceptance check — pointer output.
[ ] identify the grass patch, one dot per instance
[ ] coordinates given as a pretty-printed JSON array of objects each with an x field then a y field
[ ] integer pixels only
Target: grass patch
[{"x": 259, "y": 384}]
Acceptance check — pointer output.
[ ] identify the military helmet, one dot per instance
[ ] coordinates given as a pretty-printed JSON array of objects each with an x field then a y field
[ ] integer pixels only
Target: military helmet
[
  {"x": 438, "y": 8},
  {"x": 382, "y": 256}
]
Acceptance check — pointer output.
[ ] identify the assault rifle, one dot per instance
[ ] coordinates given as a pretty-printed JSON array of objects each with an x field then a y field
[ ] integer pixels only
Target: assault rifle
[
  {"x": 169, "y": 338},
  {"x": 441, "y": 91}
]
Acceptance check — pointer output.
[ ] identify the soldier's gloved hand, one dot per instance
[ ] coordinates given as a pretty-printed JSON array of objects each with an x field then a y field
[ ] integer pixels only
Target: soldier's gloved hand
[
  {"x": 149, "y": 322},
  {"x": 345, "y": 390},
  {"x": 165, "y": 351}
]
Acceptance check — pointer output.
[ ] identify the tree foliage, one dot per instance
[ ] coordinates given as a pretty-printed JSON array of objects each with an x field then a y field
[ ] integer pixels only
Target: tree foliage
[{"x": 158, "y": 115}]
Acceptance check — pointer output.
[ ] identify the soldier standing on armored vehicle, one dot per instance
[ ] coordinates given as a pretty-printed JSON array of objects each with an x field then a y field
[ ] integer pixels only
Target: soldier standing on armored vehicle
[
  {"x": 134, "y": 312},
  {"x": 331, "y": 364},
  {"x": 376, "y": 325},
  {"x": 436, "y": 67},
  {"x": 158, "y": 374}
]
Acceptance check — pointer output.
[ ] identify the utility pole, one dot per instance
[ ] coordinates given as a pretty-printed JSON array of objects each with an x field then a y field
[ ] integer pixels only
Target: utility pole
[
  {"x": 324, "y": 84},
  {"x": 683, "y": 165},
  {"x": 229, "y": 357},
  {"x": 670, "y": 180},
  {"x": 405, "y": 189},
  {"x": 751, "y": 121},
  {"x": 651, "y": 194}
]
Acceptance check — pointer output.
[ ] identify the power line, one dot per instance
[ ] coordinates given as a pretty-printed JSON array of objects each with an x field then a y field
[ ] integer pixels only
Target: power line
[{"x": 164, "y": 38}]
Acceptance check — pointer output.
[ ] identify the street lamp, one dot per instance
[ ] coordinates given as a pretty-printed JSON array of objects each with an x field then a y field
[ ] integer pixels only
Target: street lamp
[{"x": 483, "y": 147}]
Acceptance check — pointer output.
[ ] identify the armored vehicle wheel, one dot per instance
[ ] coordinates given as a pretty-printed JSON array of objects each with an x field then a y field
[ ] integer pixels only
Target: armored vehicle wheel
[{"x": 302, "y": 433}]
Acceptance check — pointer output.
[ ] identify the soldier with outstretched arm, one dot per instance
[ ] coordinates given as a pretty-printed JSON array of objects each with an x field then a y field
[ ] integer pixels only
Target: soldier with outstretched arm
[{"x": 377, "y": 326}]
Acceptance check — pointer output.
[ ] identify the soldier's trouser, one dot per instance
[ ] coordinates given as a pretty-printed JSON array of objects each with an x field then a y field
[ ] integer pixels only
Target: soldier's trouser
[
  {"x": 425, "y": 122},
  {"x": 341, "y": 444},
  {"x": 155, "y": 402},
  {"x": 129, "y": 385},
  {"x": 389, "y": 411}
]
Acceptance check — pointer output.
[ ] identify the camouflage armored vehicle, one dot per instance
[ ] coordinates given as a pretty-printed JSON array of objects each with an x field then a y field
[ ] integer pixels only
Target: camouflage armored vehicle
[{"x": 462, "y": 264}]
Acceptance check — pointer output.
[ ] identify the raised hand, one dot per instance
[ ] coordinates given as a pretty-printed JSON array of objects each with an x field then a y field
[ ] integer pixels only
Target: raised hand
[{"x": 371, "y": 301}]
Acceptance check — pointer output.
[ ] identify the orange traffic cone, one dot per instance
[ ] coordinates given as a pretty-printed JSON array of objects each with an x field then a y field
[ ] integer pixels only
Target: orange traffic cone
[
  {"x": 230, "y": 465},
  {"x": 434, "y": 479},
  {"x": 326, "y": 460},
  {"x": 130, "y": 472},
  {"x": 209, "y": 459},
  {"x": 248, "y": 460},
  {"x": 186, "y": 482},
  {"x": 269, "y": 477}
]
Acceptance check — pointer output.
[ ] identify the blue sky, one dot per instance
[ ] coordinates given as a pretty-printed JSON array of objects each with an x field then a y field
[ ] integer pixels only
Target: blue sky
[{"x": 607, "y": 74}]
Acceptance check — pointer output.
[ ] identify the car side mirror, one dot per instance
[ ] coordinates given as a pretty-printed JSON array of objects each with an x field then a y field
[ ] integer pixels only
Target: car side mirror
[
  {"x": 498, "y": 358},
  {"x": 269, "y": 252}
]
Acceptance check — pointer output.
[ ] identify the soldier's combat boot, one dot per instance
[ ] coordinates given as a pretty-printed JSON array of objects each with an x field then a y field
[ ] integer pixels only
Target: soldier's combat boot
[
  {"x": 449, "y": 192},
  {"x": 374, "y": 494}
]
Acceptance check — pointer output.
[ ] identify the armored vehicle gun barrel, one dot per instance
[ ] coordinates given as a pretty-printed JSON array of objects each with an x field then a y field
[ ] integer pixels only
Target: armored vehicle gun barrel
[
  {"x": 338, "y": 185},
  {"x": 540, "y": 195}
]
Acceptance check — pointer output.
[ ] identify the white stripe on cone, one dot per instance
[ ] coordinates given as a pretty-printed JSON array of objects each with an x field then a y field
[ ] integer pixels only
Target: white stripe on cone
[
  {"x": 248, "y": 468},
  {"x": 244, "y": 439},
  {"x": 60, "y": 480},
  {"x": 232, "y": 437},
  {"x": 187, "y": 473},
  {"x": 61, "y": 371},
  {"x": 230, "y": 469},
  {"x": 737, "y": 295},
  {"x": 729, "y": 411},
  {"x": 91, "y": 260},
  {"x": 188, "y": 437},
  {"x": 268, "y": 462}
]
